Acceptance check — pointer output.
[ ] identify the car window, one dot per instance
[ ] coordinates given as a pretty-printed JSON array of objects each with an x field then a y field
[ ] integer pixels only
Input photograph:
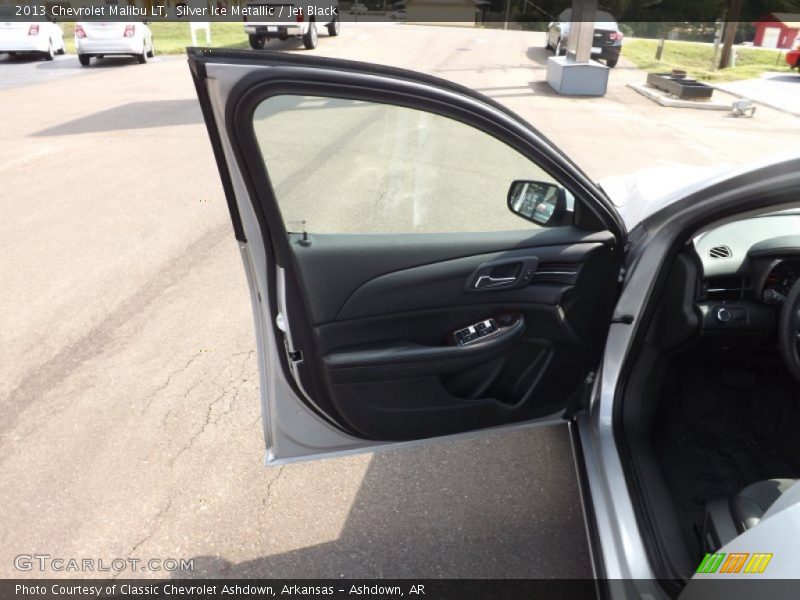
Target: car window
[{"x": 345, "y": 166}]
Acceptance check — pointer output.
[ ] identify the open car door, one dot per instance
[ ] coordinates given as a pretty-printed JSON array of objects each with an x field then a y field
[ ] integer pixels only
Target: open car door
[{"x": 421, "y": 261}]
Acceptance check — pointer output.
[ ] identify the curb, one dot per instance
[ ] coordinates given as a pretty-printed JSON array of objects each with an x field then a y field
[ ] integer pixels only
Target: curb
[
  {"x": 759, "y": 102},
  {"x": 675, "y": 103}
]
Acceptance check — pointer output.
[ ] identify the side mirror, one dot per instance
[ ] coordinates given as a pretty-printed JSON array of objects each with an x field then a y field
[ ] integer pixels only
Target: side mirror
[{"x": 538, "y": 201}]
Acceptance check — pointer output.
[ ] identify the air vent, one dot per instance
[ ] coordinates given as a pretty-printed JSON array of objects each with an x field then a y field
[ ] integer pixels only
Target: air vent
[
  {"x": 556, "y": 273},
  {"x": 720, "y": 252},
  {"x": 726, "y": 288}
]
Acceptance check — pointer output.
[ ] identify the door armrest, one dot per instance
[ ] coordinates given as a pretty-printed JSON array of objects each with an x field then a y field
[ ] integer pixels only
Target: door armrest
[{"x": 403, "y": 359}]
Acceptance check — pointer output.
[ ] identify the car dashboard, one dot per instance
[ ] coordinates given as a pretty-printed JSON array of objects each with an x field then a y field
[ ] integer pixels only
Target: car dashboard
[{"x": 748, "y": 268}]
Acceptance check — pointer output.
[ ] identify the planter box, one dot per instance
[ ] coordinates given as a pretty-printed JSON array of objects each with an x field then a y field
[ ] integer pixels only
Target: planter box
[{"x": 680, "y": 87}]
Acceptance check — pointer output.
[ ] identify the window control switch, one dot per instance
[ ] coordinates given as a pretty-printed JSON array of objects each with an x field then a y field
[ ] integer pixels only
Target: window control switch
[
  {"x": 486, "y": 327},
  {"x": 475, "y": 332}
]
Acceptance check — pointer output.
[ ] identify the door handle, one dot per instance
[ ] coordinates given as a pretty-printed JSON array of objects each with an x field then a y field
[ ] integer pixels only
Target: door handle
[
  {"x": 502, "y": 274},
  {"x": 487, "y": 281}
]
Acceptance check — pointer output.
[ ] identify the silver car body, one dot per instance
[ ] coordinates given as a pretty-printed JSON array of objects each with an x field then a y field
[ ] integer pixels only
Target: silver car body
[
  {"x": 659, "y": 214},
  {"x": 624, "y": 555}
]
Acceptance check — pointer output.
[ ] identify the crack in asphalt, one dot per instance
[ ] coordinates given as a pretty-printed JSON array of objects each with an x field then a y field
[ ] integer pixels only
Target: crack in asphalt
[
  {"x": 271, "y": 484},
  {"x": 156, "y": 524},
  {"x": 178, "y": 406},
  {"x": 233, "y": 383},
  {"x": 181, "y": 404},
  {"x": 166, "y": 383}
]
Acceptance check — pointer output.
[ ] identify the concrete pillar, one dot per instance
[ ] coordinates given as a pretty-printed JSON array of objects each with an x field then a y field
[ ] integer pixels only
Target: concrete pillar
[
  {"x": 576, "y": 73},
  {"x": 581, "y": 33}
]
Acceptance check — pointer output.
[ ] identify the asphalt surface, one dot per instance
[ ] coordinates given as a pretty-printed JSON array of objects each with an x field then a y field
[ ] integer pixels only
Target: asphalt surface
[{"x": 128, "y": 384}]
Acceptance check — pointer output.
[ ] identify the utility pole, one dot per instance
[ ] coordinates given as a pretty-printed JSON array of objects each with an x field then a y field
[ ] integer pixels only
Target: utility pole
[{"x": 732, "y": 17}]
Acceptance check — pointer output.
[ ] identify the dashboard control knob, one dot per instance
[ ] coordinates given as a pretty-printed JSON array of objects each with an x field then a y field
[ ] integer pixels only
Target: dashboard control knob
[{"x": 723, "y": 315}]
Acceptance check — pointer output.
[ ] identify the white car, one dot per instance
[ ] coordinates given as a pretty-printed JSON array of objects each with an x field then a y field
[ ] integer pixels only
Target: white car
[
  {"x": 356, "y": 8},
  {"x": 287, "y": 20},
  {"x": 43, "y": 37},
  {"x": 100, "y": 39},
  {"x": 428, "y": 298},
  {"x": 398, "y": 15}
]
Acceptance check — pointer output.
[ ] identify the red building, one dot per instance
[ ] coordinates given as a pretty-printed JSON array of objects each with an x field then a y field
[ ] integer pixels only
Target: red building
[{"x": 777, "y": 30}]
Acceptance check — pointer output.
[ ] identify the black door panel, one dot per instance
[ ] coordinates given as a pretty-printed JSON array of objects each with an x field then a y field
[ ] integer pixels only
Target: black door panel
[
  {"x": 534, "y": 379},
  {"x": 328, "y": 285},
  {"x": 438, "y": 285},
  {"x": 414, "y": 408},
  {"x": 390, "y": 365},
  {"x": 398, "y": 359},
  {"x": 430, "y": 327}
]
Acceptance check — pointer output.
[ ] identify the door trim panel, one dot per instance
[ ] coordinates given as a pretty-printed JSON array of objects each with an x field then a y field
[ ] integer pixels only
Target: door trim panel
[
  {"x": 398, "y": 359},
  {"x": 236, "y": 77},
  {"x": 441, "y": 284},
  {"x": 382, "y": 255}
]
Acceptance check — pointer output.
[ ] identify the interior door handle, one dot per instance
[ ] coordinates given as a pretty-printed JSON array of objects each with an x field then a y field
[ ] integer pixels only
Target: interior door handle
[
  {"x": 502, "y": 274},
  {"x": 487, "y": 281}
]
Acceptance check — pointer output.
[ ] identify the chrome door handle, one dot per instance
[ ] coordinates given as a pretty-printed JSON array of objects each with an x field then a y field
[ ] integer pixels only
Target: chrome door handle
[{"x": 487, "y": 281}]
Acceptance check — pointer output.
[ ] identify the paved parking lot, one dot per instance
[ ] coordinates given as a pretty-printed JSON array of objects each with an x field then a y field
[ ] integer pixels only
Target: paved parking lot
[{"x": 128, "y": 379}]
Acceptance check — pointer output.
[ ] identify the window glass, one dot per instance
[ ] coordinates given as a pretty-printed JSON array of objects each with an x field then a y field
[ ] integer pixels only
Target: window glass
[{"x": 346, "y": 166}]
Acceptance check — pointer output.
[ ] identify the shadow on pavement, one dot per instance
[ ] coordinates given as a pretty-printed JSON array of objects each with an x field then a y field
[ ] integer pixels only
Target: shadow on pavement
[
  {"x": 134, "y": 115},
  {"x": 785, "y": 78},
  {"x": 107, "y": 62},
  {"x": 61, "y": 63},
  {"x": 8, "y": 59},
  {"x": 505, "y": 505},
  {"x": 539, "y": 55}
]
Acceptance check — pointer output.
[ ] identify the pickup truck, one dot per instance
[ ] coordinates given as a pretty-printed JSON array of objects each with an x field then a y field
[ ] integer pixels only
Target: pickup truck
[{"x": 265, "y": 19}]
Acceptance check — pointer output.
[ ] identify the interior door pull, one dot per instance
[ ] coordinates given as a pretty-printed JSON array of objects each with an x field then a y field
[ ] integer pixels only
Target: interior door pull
[
  {"x": 487, "y": 281},
  {"x": 502, "y": 274}
]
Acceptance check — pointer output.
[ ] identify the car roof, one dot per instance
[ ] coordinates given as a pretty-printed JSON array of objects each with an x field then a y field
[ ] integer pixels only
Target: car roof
[{"x": 600, "y": 16}]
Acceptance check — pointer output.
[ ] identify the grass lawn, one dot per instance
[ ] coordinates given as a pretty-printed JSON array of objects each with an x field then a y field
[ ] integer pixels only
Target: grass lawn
[
  {"x": 172, "y": 38},
  {"x": 697, "y": 60}
]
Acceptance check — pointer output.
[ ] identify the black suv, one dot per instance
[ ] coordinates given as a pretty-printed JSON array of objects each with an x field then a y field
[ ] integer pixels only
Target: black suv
[{"x": 607, "y": 43}]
